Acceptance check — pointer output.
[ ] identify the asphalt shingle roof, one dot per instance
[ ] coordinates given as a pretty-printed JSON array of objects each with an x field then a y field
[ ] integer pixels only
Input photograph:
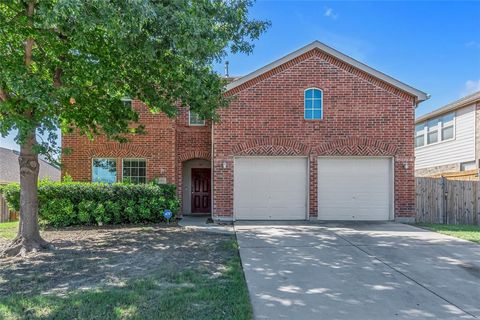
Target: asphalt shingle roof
[{"x": 10, "y": 171}]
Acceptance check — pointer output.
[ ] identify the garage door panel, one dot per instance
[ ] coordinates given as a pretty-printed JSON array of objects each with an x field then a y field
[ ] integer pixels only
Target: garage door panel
[
  {"x": 354, "y": 188},
  {"x": 270, "y": 188}
]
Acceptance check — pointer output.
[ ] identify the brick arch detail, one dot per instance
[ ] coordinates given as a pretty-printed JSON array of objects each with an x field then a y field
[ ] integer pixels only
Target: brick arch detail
[
  {"x": 271, "y": 147},
  {"x": 195, "y": 155},
  {"x": 356, "y": 147},
  {"x": 119, "y": 151}
]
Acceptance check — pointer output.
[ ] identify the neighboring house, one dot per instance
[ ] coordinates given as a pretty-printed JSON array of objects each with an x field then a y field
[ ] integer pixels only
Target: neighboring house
[
  {"x": 10, "y": 172},
  {"x": 313, "y": 135},
  {"x": 448, "y": 139},
  {"x": 10, "y": 168}
]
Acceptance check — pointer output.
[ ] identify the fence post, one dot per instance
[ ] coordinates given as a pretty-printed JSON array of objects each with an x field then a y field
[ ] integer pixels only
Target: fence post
[
  {"x": 477, "y": 203},
  {"x": 444, "y": 202}
]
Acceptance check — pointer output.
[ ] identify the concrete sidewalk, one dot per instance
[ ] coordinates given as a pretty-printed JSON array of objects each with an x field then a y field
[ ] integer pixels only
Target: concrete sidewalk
[
  {"x": 358, "y": 271},
  {"x": 200, "y": 223}
]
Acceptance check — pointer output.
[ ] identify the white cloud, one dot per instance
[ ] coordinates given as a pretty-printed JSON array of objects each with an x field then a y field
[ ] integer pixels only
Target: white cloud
[
  {"x": 471, "y": 86},
  {"x": 330, "y": 13},
  {"x": 473, "y": 44}
]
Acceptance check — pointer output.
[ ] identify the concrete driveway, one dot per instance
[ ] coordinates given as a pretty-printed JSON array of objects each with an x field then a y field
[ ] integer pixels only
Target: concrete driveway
[{"x": 358, "y": 271}]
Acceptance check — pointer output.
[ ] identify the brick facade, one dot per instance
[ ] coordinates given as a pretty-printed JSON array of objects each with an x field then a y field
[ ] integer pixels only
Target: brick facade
[
  {"x": 363, "y": 116},
  {"x": 157, "y": 147},
  {"x": 165, "y": 146}
]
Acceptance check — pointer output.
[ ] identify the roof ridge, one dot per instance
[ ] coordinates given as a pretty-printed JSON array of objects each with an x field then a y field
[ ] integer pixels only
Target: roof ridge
[{"x": 418, "y": 94}]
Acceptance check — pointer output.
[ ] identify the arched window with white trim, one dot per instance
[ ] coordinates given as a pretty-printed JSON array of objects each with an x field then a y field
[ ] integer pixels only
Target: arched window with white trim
[{"x": 313, "y": 104}]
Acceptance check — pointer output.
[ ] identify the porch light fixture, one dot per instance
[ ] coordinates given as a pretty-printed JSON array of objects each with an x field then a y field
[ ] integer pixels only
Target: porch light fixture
[{"x": 224, "y": 165}]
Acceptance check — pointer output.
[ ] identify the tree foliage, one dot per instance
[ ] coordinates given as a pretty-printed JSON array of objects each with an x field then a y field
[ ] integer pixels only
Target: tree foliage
[
  {"x": 87, "y": 55},
  {"x": 68, "y": 63}
]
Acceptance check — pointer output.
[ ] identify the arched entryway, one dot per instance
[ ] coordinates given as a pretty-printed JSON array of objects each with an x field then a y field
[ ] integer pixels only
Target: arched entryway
[{"x": 196, "y": 187}]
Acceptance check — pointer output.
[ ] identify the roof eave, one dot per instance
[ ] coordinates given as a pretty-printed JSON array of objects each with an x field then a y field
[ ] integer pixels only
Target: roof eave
[
  {"x": 458, "y": 104},
  {"x": 419, "y": 95}
]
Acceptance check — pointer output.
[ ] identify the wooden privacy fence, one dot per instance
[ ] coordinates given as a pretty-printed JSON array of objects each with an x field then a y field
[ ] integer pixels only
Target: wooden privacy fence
[
  {"x": 440, "y": 200},
  {"x": 4, "y": 211}
]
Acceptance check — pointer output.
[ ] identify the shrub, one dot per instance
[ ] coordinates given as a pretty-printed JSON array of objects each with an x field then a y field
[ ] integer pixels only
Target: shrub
[
  {"x": 58, "y": 212},
  {"x": 85, "y": 211},
  {"x": 73, "y": 203}
]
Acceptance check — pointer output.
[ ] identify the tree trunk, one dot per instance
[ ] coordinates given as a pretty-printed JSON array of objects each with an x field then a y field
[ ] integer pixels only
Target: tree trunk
[{"x": 28, "y": 238}]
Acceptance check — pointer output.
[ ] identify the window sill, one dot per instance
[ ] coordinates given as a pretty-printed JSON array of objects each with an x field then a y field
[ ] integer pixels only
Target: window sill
[{"x": 436, "y": 143}]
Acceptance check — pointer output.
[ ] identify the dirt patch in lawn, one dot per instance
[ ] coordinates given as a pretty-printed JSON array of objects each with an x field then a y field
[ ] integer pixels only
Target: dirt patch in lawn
[{"x": 87, "y": 258}]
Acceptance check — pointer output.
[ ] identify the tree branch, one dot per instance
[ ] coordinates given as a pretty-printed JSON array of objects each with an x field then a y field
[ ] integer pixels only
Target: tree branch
[
  {"x": 30, "y": 41},
  {"x": 57, "y": 78},
  {"x": 3, "y": 95}
]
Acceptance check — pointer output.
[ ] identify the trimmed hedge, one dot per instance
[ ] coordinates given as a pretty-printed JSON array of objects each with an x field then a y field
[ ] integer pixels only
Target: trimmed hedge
[{"x": 79, "y": 203}]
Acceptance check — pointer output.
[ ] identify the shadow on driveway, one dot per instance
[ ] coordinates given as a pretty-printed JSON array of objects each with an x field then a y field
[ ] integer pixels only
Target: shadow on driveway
[{"x": 358, "y": 271}]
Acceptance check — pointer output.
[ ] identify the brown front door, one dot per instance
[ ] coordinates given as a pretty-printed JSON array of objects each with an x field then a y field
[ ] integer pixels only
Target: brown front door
[{"x": 201, "y": 190}]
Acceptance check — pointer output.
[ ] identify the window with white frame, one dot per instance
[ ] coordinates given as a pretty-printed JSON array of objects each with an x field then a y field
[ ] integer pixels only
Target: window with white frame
[
  {"x": 435, "y": 130},
  {"x": 194, "y": 119},
  {"x": 127, "y": 102},
  {"x": 134, "y": 170},
  {"x": 432, "y": 133},
  {"x": 448, "y": 126},
  {"x": 313, "y": 104},
  {"x": 104, "y": 170},
  {"x": 420, "y": 135}
]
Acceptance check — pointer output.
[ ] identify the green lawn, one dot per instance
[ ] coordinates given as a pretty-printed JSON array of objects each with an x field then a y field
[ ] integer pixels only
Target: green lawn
[
  {"x": 467, "y": 232},
  {"x": 8, "y": 230},
  {"x": 190, "y": 295},
  {"x": 153, "y": 276}
]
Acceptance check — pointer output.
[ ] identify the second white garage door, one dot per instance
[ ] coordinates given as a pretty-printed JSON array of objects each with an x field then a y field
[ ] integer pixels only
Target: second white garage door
[
  {"x": 270, "y": 188},
  {"x": 354, "y": 188}
]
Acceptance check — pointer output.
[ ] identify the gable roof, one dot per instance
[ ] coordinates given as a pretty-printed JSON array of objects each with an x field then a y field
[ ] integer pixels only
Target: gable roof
[
  {"x": 10, "y": 170},
  {"x": 455, "y": 105},
  {"x": 419, "y": 95}
]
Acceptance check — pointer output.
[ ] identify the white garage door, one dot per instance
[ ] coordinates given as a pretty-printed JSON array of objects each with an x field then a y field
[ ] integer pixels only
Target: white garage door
[
  {"x": 270, "y": 188},
  {"x": 354, "y": 188}
]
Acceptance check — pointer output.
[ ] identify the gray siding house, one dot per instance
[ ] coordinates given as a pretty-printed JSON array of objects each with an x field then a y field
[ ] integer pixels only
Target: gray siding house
[{"x": 448, "y": 139}]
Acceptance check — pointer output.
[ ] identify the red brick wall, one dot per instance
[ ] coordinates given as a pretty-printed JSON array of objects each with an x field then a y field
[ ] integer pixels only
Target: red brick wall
[
  {"x": 192, "y": 142},
  {"x": 167, "y": 144},
  {"x": 362, "y": 116},
  {"x": 157, "y": 147}
]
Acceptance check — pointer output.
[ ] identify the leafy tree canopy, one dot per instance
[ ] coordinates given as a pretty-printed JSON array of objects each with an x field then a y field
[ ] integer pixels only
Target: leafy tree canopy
[{"x": 68, "y": 63}]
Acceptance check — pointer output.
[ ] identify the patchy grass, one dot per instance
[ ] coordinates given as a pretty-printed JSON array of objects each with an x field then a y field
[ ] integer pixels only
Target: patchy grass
[
  {"x": 8, "y": 230},
  {"x": 466, "y": 232},
  {"x": 183, "y": 275}
]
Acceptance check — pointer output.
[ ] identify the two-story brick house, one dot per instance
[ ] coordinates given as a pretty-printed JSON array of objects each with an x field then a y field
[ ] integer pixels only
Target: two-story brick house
[{"x": 313, "y": 135}]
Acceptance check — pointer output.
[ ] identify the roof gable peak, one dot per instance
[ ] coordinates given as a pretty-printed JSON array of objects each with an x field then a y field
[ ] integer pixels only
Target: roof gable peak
[{"x": 317, "y": 45}]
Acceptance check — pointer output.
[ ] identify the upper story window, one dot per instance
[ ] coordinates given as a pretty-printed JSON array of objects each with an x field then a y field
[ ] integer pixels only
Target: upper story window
[
  {"x": 435, "y": 130},
  {"x": 104, "y": 170},
  {"x": 313, "y": 104},
  {"x": 135, "y": 170},
  {"x": 127, "y": 102},
  {"x": 194, "y": 119}
]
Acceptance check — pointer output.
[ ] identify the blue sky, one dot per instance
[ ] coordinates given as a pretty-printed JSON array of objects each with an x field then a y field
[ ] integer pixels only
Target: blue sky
[{"x": 433, "y": 46}]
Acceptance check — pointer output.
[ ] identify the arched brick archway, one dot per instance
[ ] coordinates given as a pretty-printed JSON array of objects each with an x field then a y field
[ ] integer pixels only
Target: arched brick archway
[
  {"x": 356, "y": 147},
  {"x": 271, "y": 147},
  {"x": 185, "y": 162},
  {"x": 194, "y": 155}
]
